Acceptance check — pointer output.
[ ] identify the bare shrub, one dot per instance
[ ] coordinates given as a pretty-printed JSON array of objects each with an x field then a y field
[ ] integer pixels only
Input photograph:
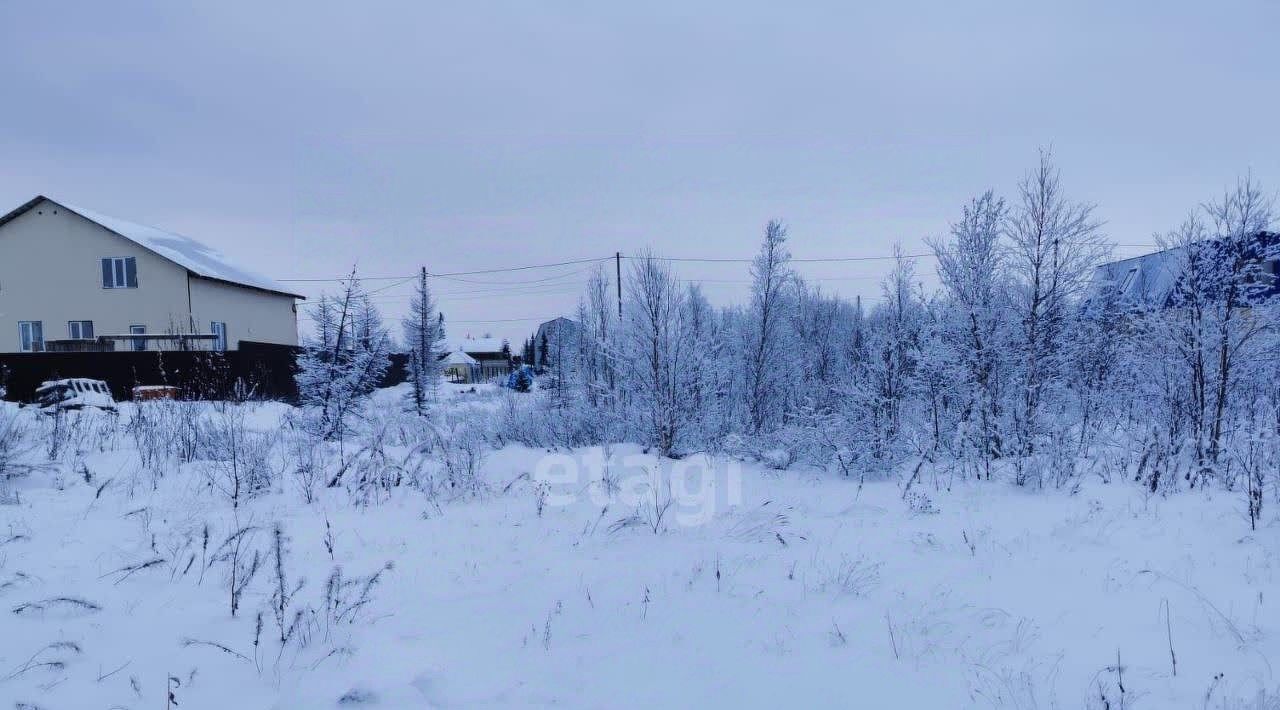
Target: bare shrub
[
  {"x": 345, "y": 598},
  {"x": 307, "y": 461},
  {"x": 242, "y": 562},
  {"x": 239, "y": 465},
  {"x": 652, "y": 510},
  {"x": 58, "y": 606},
  {"x": 288, "y": 618},
  {"x": 851, "y": 575},
  {"x": 50, "y": 657},
  {"x": 165, "y": 431},
  {"x": 460, "y": 450},
  {"x": 373, "y": 471},
  {"x": 766, "y": 522},
  {"x": 16, "y": 444}
]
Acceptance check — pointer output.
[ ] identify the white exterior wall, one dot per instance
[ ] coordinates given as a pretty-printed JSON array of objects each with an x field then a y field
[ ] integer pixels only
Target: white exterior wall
[
  {"x": 249, "y": 314},
  {"x": 51, "y": 271}
]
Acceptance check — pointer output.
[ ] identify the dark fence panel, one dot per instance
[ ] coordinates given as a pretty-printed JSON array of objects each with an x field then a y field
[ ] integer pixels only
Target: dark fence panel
[
  {"x": 265, "y": 369},
  {"x": 397, "y": 372}
]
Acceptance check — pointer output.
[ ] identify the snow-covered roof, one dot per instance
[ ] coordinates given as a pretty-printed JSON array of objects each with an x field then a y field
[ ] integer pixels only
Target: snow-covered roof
[
  {"x": 1151, "y": 279},
  {"x": 457, "y": 357},
  {"x": 198, "y": 258},
  {"x": 1148, "y": 279}
]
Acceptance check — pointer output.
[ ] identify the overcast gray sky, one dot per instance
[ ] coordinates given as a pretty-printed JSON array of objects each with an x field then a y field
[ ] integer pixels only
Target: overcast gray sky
[{"x": 302, "y": 137}]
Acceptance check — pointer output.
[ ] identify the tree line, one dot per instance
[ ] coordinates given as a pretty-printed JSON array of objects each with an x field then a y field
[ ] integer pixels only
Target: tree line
[{"x": 1021, "y": 364}]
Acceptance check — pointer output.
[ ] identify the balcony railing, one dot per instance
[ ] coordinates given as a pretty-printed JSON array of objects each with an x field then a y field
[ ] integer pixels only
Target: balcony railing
[{"x": 134, "y": 342}]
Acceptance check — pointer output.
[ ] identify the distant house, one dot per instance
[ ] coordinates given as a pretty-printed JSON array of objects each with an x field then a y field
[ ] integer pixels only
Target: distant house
[
  {"x": 555, "y": 343},
  {"x": 1152, "y": 280},
  {"x": 75, "y": 279},
  {"x": 460, "y": 368},
  {"x": 491, "y": 356}
]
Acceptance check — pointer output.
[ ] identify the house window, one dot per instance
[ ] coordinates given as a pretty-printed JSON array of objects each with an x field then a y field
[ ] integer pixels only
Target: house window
[
  {"x": 80, "y": 329},
  {"x": 219, "y": 330},
  {"x": 119, "y": 272},
  {"x": 138, "y": 343},
  {"x": 1129, "y": 280},
  {"x": 31, "y": 336},
  {"x": 1270, "y": 272}
]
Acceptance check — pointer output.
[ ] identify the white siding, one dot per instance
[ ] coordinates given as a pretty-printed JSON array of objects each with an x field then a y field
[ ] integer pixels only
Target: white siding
[
  {"x": 50, "y": 271},
  {"x": 250, "y": 315}
]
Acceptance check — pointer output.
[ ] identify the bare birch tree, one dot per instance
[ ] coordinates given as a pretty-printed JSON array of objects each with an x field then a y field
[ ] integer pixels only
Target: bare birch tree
[
  {"x": 770, "y": 278},
  {"x": 658, "y": 349},
  {"x": 971, "y": 268},
  {"x": 1053, "y": 245}
]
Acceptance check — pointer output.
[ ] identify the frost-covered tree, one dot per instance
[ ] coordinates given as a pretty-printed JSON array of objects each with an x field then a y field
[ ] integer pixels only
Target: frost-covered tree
[
  {"x": 597, "y": 346},
  {"x": 816, "y": 356},
  {"x": 657, "y": 351},
  {"x": 1101, "y": 364},
  {"x": 766, "y": 330},
  {"x": 1053, "y": 246},
  {"x": 526, "y": 351},
  {"x": 898, "y": 324},
  {"x": 1216, "y": 320},
  {"x": 425, "y": 343},
  {"x": 1020, "y": 364},
  {"x": 343, "y": 361},
  {"x": 707, "y": 381},
  {"x": 972, "y": 328}
]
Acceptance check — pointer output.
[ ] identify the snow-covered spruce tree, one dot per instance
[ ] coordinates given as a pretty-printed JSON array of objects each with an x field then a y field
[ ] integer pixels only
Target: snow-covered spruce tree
[
  {"x": 766, "y": 333},
  {"x": 973, "y": 328},
  {"x": 343, "y": 360},
  {"x": 657, "y": 352},
  {"x": 526, "y": 351},
  {"x": 557, "y": 359},
  {"x": 1053, "y": 245},
  {"x": 425, "y": 343},
  {"x": 368, "y": 328}
]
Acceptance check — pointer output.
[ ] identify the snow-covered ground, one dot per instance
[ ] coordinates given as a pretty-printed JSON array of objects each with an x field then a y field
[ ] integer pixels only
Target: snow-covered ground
[{"x": 756, "y": 588}]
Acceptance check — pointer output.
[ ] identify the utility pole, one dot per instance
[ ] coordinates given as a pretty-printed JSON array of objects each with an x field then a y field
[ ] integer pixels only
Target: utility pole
[{"x": 617, "y": 265}]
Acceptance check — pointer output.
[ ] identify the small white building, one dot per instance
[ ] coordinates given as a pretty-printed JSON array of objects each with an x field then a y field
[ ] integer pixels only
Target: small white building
[
  {"x": 491, "y": 356},
  {"x": 460, "y": 368},
  {"x": 73, "y": 279}
]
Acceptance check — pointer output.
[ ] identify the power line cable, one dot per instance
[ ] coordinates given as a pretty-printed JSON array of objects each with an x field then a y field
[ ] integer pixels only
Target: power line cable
[
  {"x": 453, "y": 275},
  {"x": 485, "y": 282},
  {"x": 499, "y": 320},
  {"x": 717, "y": 260},
  {"x": 384, "y": 288}
]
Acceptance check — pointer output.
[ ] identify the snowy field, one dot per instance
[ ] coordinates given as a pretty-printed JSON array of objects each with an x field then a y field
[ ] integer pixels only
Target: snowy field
[{"x": 560, "y": 579}]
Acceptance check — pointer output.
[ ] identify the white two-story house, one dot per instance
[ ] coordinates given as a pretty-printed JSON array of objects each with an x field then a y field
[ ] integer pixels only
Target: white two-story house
[{"x": 74, "y": 279}]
